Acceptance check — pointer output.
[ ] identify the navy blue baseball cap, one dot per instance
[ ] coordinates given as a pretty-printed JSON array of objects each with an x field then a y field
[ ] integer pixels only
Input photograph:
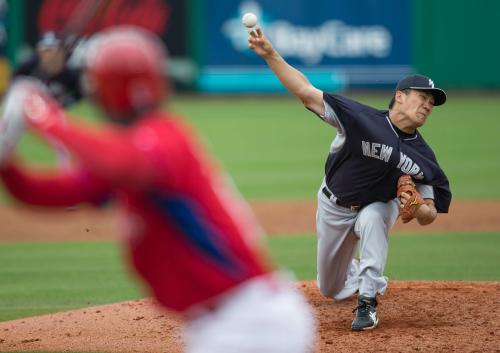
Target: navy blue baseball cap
[{"x": 422, "y": 83}]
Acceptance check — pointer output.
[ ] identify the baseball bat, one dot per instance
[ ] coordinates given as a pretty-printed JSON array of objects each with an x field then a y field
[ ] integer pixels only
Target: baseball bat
[{"x": 82, "y": 15}]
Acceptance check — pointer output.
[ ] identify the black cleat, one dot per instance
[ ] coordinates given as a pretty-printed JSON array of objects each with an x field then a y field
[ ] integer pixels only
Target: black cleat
[{"x": 366, "y": 315}]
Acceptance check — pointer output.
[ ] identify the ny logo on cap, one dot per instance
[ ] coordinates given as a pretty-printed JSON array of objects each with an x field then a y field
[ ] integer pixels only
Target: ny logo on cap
[{"x": 431, "y": 83}]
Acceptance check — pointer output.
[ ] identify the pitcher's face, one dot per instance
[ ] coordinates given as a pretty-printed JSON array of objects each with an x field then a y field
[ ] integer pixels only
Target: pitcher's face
[{"x": 417, "y": 105}]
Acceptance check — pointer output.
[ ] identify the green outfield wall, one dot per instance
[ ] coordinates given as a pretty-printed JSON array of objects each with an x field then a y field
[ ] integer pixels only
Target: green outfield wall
[{"x": 456, "y": 42}]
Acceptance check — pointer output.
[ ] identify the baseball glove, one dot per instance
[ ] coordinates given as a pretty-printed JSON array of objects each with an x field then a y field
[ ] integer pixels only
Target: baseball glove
[{"x": 406, "y": 185}]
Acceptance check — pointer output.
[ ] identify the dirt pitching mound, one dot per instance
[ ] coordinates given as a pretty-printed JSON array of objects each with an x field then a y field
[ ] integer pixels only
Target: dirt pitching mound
[{"x": 415, "y": 317}]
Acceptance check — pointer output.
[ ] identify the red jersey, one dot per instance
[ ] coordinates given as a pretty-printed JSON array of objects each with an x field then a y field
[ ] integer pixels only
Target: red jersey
[{"x": 190, "y": 236}]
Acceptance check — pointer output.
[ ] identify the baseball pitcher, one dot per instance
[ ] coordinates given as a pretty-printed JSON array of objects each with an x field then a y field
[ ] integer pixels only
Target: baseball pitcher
[{"x": 358, "y": 200}]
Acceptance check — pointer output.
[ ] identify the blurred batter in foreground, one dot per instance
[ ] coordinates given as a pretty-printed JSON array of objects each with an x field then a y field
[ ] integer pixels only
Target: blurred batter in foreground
[{"x": 191, "y": 238}]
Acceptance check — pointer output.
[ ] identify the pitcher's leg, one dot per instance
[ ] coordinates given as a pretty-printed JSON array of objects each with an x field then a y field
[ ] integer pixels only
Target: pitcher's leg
[
  {"x": 336, "y": 245},
  {"x": 372, "y": 227},
  {"x": 351, "y": 285}
]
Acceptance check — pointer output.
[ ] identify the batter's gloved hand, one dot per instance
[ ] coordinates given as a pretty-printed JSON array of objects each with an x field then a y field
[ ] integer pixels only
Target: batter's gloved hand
[
  {"x": 409, "y": 197},
  {"x": 33, "y": 106},
  {"x": 42, "y": 111},
  {"x": 13, "y": 124}
]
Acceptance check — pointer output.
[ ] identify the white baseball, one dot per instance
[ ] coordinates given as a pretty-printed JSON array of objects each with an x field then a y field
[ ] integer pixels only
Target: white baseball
[{"x": 249, "y": 20}]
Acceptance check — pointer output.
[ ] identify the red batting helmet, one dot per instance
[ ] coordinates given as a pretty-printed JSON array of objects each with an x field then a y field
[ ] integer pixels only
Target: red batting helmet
[{"x": 125, "y": 71}]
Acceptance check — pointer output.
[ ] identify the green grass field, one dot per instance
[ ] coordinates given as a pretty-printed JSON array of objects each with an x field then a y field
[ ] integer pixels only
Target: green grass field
[
  {"x": 274, "y": 148},
  {"x": 50, "y": 277}
]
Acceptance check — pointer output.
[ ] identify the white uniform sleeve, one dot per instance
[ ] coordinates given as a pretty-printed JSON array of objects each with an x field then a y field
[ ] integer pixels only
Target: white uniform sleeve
[
  {"x": 427, "y": 191},
  {"x": 331, "y": 118}
]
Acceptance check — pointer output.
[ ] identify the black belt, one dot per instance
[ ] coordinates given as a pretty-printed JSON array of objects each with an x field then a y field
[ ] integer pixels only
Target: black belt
[{"x": 354, "y": 208}]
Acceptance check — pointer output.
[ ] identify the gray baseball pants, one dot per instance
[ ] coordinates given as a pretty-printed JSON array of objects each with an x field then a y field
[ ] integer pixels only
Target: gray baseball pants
[{"x": 340, "y": 231}]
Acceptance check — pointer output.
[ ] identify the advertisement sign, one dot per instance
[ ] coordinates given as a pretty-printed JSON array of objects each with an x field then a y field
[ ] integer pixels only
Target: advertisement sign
[{"x": 335, "y": 43}]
